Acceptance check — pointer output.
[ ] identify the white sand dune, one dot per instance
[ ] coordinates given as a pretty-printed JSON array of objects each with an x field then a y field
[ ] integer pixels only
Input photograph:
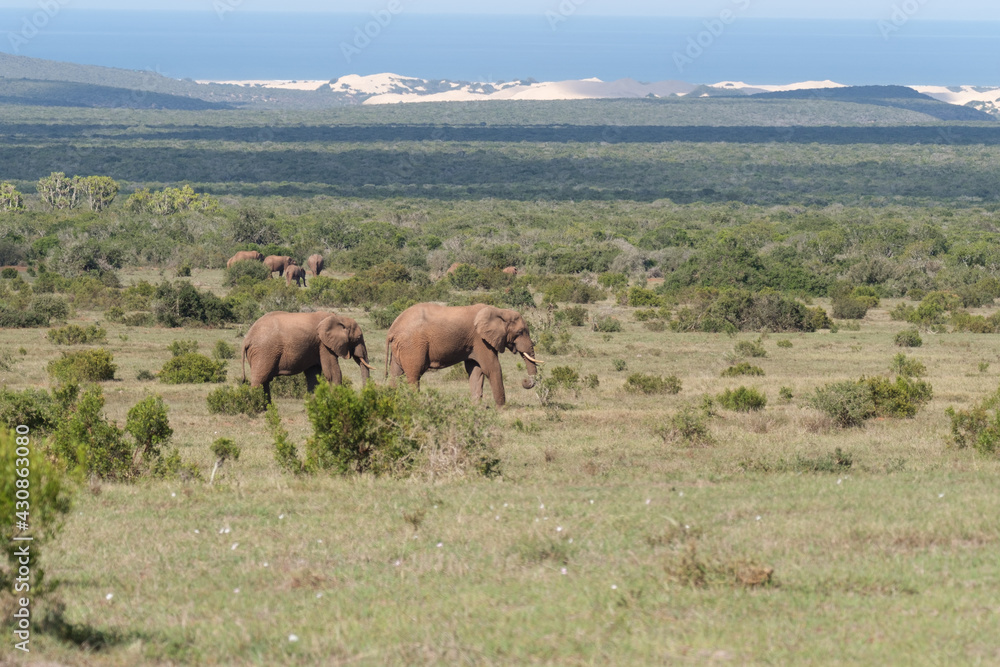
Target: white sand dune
[
  {"x": 963, "y": 95},
  {"x": 266, "y": 83}
]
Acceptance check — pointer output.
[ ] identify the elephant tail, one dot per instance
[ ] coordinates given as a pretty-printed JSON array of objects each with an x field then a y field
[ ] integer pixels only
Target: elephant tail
[
  {"x": 388, "y": 356},
  {"x": 243, "y": 362}
]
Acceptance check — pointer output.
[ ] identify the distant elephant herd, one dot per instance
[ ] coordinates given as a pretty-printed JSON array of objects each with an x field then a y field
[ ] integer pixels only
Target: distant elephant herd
[
  {"x": 424, "y": 337},
  {"x": 283, "y": 265}
]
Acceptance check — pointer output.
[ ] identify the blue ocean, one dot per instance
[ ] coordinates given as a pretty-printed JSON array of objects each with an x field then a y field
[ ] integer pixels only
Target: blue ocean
[{"x": 235, "y": 43}]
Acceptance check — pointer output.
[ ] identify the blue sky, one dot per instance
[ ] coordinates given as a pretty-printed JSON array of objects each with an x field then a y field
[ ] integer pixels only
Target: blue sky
[{"x": 975, "y": 10}]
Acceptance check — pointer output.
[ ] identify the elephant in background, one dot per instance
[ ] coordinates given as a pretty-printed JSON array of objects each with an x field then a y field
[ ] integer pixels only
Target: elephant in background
[
  {"x": 296, "y": 274},
  {"x": 281, "y": 343},
  {"x": 278, "y": 263},
  {"x": 245, "y": 255},
  {"x": 427, "y": 336},
  {"x": 511, "y": 270},
  {"x": 315, "y": 264}
]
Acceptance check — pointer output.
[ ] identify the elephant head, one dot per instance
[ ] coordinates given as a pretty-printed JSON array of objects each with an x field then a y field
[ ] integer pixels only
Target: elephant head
[
  {"x": 504, "y": 329},
  {"x": 342, "y": 336}
]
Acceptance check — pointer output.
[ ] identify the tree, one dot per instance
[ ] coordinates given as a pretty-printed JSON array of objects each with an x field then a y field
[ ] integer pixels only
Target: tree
[
  {"x": 59, "y": 190},
  {"x": 10, "y": 198},
  {"x": 99, "y": 190}
]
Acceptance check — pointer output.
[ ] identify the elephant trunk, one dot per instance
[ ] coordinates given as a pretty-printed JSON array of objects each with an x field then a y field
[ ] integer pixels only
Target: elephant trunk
[
  {"x": 361, "y": 355},
  {"x": 531, "y": 364}
]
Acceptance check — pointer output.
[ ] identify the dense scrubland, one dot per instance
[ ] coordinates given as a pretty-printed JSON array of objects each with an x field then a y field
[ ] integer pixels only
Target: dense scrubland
[{"x": 767, "y": 429}]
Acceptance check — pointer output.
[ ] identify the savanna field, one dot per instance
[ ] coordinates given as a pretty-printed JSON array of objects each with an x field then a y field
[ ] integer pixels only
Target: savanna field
[{"x": 647, "y": 504}]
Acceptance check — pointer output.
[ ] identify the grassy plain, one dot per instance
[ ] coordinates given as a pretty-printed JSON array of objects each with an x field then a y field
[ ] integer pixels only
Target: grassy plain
[{"x": 601, "y": 543}]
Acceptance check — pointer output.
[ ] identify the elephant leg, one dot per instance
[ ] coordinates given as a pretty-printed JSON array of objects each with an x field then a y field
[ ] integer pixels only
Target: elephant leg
[
  {"x": 312, "y": 378},
  {"x": 476, "y": 378},
  {"x": 266, "y": 385},
  {"x": 496, "y": 384},
  {"x": 395, "y": 370},
  {"x": 331, "y": 368}
]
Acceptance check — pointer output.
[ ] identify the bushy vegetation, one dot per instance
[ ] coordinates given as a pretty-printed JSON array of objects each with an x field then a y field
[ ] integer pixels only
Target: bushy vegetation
[
  {"x": 642, "y": 383},
  {"x": 73, "y": 334},
  {"x": 37, "y": 409},
  {"x": 742, "y": 399},
  {"x": 908, "y": 338},
  {"x": 978, "y": 427},
  {"x": 390, "y": 431},
  {"x": 238, "y": 399},
  {"x": 851, "y": 402},
  {"x": 83, "y": 366},
  {"x": 742, "y": 368},
  {"x": 733, "y": 310},
  {"x": 192, "y": 368},
  {"x": 574, "y": 316}
]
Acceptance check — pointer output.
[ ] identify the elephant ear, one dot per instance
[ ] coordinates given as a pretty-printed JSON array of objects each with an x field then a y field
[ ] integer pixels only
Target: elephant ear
[
  {"x": 334, "y": 335},
  {"x": 491, "y": 328}
]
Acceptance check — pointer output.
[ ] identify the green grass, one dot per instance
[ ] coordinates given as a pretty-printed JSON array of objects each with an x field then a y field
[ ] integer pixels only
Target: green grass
[{"x": 908, "y": 531}]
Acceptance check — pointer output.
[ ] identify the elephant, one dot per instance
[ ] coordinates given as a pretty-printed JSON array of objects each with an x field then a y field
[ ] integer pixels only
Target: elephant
[
  {"x": 244, "y": 255},
  {"x": 281, "y": 343},
  {"x": 511, "y": 270},
  {"x": 278, "y": 263},
  {"x": 315, "y": 264},
  {"x": 295, "y": 273},
  {"x": 429, "y": 336}
]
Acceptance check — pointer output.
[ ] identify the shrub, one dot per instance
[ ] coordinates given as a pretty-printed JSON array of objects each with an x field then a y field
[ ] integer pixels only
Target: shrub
[
  {"x": 851, "y": 402},
  {"x": 571, "y": 290},
  {"x": 181, "y": 303},
  {"x": 515, "y": 296},
  {"x": 293, "y": 386},
  {"x": 387, "y": 430},
  {"x": 978, "y": 427},
  {"x": 619, "y": 364},
  {"x": 85, "y": 439},
  {"x": 9, "y": 273},
  {"x": 903, "y": 365},
  {"x": 816, "y": 319},
  {"x": 246, "y": 272},
  {"x": 382, "y": 318},
  {"x": 655, "y": 326},
  {"x": 607, "y": 324},
  {"x": 36, "y": 408},
  {"x": 908, "y": 338},
  {"x": 688, "y": 424},
  {"x": 73, "y": 334},
  {"x": 591, "y": 381},
  {"x": 147, "y": 423},
  {"x": 750, "y": 348},
  {"x": 742, "y": 399},
  {"x": 184, "y": 271},
  {"x": 613, "y": 281},
  {"x": 574, "y": 316},
  {"x": 144, "y": 375},
  {"x": 83, "y": 366},
  {"x": 901, "y": 398},
  {"x": 192, "y": 368},
  {"x": 236, "y": 400},
  {"x": 785, "y": 393},
  {"x": 651, "y": 315},
  {"x": 52, "y": 307},
  {"x": 640, "y": 383},
  {"x": 733, "y": 310},
  {"x": 564, "y": 376},
  {"x": 223, "y": 449},
  {"x": 784, "y": 343},
  {"x": 640, "y": 297},
  {"x": 847, "y": 307},
  {"x": 19, "y": 319},
  {"x": 223, "y": 350},
  {"x": 179, "y": 347},
  {"x": 51, "y": 497},
  {"x": 742, "y": 368}
]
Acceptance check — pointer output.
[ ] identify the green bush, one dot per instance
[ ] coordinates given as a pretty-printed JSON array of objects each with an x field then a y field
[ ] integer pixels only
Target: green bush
[
  {"x": 36, "y": 408},
  {"x": 52, "y": 307},
  {"x": 390, "y": 431},
  {"x": 382, "y": 318},
  {"x": 908, "y": 338},
  {"x": 192, "y": 368},
  {"x": 83, "y": 366},
  {"x": 619, "y": 364},
  {"x": 516, "y": 297},
  {"x": 901, "y": 398},
  {"x": 607, "y": 324},
  {"x": 246, "y": 272},
  {"x": 591, "y": 381},
  {"x": 640, "y": 297},
  {"x": 564, "y": 376},
  {"x": 181, "y": 304},
  {"x": 85, "y": 439},
  {"x": 903, "y": 365},
  {"x": 51, "y": 498},
  {"x": 784, "y": 343},
  {"x": 750, "y": 348},
  {"x": 688, "y": 424},
  {"x": 613, "y": 281},
  {"x": 852, "y": 402},
  {"x": 73, "y": 334},
  {"x": 640, "y": 383},
  {"x": 785, "y": 393},
  {"x": 732, "y": 310},
  {"x": 184, "y": 271},
  {"x": 742, "y": 399},
  {"x": 293, "y": 386},
  {"x": 571, "y": 290},
  {"x": 179, "y": 347},
  {"x": 148, "y": 425},
  {"x": 816, "y": 319},
  {"x": 847, "y": 307},
  {"x": 145, "y": 375},
  {"x": 223, "y": 351},
  {"x": 9, "y": 273},
  {"x": 978, "y": 427},
  {"x": 742, "y": 368},
  {"x": 19, "y": 319},
  {"x": 574, "y": 316},
  {"x": 236, "y": 400}
]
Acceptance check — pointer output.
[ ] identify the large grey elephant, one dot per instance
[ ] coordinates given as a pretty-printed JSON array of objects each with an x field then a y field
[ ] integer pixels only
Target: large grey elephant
[
  {"x": 428, "y": 336},
  {"x": 278, "y": 263},
  {"x": 281, "y": 343},
  {"x": 315, "y": 264},
  {"x": 244, "y": 255}
]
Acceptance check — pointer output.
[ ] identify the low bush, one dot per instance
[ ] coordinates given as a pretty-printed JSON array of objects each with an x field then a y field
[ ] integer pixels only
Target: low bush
[
  {"x": 9, "y": 273},
  {"x": 574, "y": 316},
  {"x": 750, "y": 348},
  {"x": 241, "y": 399},
  {"x": 564, "y": 376},
  {"x": 571, "y": 290},
  {"x": 382, "y": 318},
  {"x": 848, "y": 307},
  {"x": 148, "y": 425},
  {"x": 607, "y": 324},
  {"x": 742, "y": 399},
  {"x": 651, "y": 315},
  {"x": 908, "y": 338},
  {"x": 223, "y": 350},
  {"x": 640, "y": 383},
  {"x": 20, "y": 319},
  {"x": 87, "y": 441},
  {"x": 83, "y": 366},
  {"x": 852, "y": 402},
  {"x": 73, "y": 334},
  {"x": 742, "y": 368},
  {"x": 785, "y": 393},
  {"x": 36, "y": 408},
  {"x": 246, "y": 272},
  {"x": 732, "y": 310},
  {"x": 53, "y": 307},
  {"x": 640, "y": 297},
  {"x": 192, "y": 368},
  {"x": 619, "y": 364},
  {"x": 390, "y": 431},
  {"x": 978, "y": 427},
  {"x": 689, "y": 424},
  {"x": 179, "y": 347},
  {"x": 784, "y": 343},
  {"x": 907, "y": 367},
  {"x": 294, "y": 386}
]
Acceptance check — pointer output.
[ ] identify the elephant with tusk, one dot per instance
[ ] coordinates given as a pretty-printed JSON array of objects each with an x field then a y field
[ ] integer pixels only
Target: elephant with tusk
[
  {"x": 281, "y": 343},
  {"x": 427, "y": 336}
]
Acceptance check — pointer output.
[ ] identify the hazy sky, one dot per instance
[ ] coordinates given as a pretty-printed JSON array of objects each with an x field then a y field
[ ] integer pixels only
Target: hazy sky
[{"x": 862, "y": 9}]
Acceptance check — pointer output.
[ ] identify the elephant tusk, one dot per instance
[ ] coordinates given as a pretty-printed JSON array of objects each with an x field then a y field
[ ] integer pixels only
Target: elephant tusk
[
  {"x": 532, "y": 359},
  {"x": 366, "y": 364}
]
